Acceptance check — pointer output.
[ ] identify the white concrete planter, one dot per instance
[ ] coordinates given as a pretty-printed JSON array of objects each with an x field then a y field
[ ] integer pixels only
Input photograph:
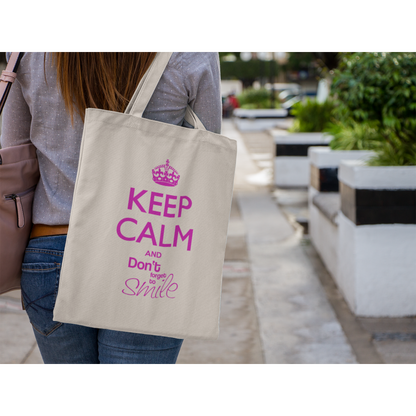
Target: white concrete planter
[
  {"x": 258, "y": 120},
  {"x": 291, "y": 163},
  {"x": 324, "y": 164},
  {"x": 377, "y": 261},
  {"x": 323, "y": 227}
]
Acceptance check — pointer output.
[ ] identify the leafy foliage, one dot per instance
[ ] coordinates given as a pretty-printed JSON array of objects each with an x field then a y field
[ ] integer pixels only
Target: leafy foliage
[
  {"x": 394, "y": 151},
  {"x": 311, "y": 116},
  {"x": 252, "y": 98},
  {"x": 376, "y": 106},
  {"x": 354, "y": 136}
]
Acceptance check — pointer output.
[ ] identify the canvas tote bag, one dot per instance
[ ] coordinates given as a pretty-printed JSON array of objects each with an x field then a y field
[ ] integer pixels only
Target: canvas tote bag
[{"x": 148, "y": 225}]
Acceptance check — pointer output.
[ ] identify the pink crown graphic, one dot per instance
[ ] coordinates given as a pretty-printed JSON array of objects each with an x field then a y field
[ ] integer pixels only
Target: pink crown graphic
[{"x": 165, "y": 175}]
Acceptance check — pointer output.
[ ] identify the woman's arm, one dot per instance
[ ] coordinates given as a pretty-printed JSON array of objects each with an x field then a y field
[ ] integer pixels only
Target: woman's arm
[
  {"x": 16, "y": 118},
  {"x": 202, "y": 82}
]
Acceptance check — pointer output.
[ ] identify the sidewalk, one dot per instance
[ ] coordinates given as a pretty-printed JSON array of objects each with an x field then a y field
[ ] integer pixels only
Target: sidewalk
[
  {"x": 17, "y": 341},
  {"x": 297, "y": 323}
]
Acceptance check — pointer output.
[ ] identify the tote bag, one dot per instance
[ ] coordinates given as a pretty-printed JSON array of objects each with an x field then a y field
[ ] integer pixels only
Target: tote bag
[{"x": 148, "y": 225}]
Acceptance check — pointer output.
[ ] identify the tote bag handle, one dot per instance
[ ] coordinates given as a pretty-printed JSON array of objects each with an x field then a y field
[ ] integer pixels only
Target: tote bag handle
[
  {"x": 147, "y": 86},
  {"x": 8, "y": 76}
]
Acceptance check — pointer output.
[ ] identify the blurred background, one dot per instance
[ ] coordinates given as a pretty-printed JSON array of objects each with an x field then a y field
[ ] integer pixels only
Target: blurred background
[
  {"x": 320, "y": 265},
  {"x": 332, "y": 141}
]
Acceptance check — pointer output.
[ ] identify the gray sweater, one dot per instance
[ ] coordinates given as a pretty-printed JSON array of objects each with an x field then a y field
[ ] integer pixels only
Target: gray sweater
[{"x": 35, "y": 112}]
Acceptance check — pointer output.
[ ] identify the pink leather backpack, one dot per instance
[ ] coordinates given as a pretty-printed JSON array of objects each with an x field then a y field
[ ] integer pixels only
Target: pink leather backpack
[{"x": 19, "y": 175}]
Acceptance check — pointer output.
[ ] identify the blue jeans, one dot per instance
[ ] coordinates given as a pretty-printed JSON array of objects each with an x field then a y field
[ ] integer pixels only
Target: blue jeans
[{"x": 61, "y": 343}]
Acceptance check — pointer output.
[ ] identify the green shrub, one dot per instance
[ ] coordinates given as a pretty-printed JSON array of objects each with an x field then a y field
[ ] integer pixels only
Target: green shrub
[
  {"x": 390, "y": 150},
  {"x": 252, "y": 98},
  {"x": 311, "y": 116},
  {"x": 394, "y": 150},
  {"x": 351, "y": 135},
  {"x": 376, "y": 106}
]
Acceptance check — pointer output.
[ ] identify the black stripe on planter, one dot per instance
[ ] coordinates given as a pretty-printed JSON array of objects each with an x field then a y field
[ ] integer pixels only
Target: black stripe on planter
[
  {"x": 378, "y": 206},
  {"x": 259, "y": 117},
  {"x": 284, "y": 149},
  {"x": 324, "y": 179}
]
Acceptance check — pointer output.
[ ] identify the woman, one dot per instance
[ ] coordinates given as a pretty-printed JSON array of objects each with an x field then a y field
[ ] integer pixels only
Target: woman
[{"x": 46, "y": 106}]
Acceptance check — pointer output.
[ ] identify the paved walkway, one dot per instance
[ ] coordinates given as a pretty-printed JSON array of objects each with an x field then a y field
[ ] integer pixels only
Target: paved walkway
[{"x": 297, "y": 323}]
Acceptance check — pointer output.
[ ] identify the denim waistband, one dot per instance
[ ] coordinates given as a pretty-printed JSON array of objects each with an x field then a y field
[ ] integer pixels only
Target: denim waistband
[{"x": 51, "y": 242}]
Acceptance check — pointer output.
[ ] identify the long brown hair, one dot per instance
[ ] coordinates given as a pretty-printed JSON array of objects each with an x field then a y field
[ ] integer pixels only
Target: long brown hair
[{"x": 105, "y": 80}]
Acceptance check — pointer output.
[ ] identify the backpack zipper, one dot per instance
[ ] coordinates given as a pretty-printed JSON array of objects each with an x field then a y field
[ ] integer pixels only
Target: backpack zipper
[{"x": 19, "y": 206}]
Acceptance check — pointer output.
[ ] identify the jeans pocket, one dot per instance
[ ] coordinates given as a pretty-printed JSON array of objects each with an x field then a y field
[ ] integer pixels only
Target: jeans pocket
[{"x": 39, "y": 284}]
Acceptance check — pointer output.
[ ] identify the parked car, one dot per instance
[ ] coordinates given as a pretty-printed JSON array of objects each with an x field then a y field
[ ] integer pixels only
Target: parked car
[
  {"x": 288, "y": 98},
  {"x": 280, "y": 87},
  {"x": 286, "y": 95}
]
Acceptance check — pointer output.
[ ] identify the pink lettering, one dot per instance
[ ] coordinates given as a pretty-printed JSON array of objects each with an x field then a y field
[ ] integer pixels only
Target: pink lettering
[
  {"x": 131, "y": 294},
  {"x": 168, "y": 287},
  {"x": 158, "y": 291},
  {"x": 148, "y": 289},
  {"x": 153, "y": 202},
  {"x": 121, "y": 222},
  {"x": 185, "y": 202},
  {"x": 148, "y": 232},
  {"x": 151, "y": 235},
  {"x": 162, "y": 233},
  {"x": 155, "y": 253},
  {"x": 167, "y": 206},
  {"x": 166, "y": 283},
  {"x": 178, "y": 232},
  {"x": 182, "y": 206},
  {"x": 135, "y": 262},
  {"x": 135, "y": 199}
]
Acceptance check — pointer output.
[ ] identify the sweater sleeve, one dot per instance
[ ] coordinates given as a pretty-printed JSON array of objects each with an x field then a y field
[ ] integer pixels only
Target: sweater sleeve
[
  {"x": 202, "y": 82},
  {"x": 16, "y": 118}
]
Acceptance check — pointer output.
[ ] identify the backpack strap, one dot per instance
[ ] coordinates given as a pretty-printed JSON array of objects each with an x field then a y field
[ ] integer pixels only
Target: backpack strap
[{"x": 8, "y": 76}]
